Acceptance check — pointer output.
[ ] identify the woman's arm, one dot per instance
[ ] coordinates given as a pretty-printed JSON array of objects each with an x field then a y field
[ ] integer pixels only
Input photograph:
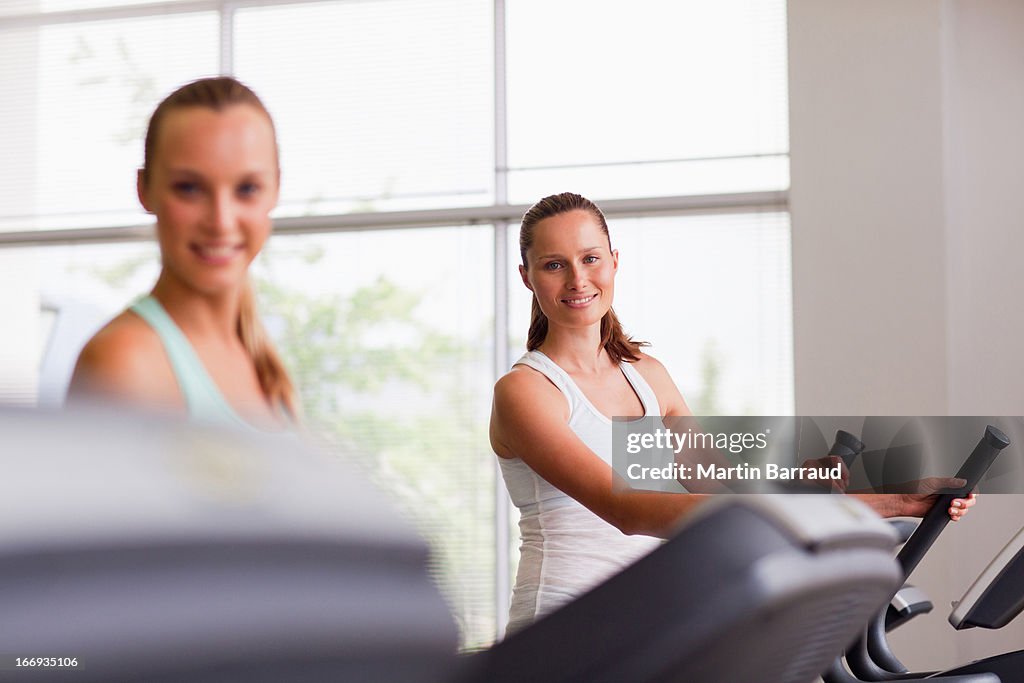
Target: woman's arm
[
  {"x": 887, "y": 505},
  {"x": 675, "y": 412},
  {"x": 529, "y": 420},
  {"x": 670, "y": 399}
]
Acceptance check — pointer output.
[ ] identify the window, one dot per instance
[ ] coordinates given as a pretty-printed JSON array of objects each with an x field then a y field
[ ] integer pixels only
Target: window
[
  {"x": 665, "y": 98},
  {"x": 390, "y": 334},
  {"x": 413, "y": 134},
  {"x": 382, "y": 105},
  {"x": 698, "y": 289},
  {"x": 78, "y": 96}
]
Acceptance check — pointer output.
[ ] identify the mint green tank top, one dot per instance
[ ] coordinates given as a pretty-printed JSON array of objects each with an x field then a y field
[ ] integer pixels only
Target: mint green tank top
[{"x": 203, "y": 399}]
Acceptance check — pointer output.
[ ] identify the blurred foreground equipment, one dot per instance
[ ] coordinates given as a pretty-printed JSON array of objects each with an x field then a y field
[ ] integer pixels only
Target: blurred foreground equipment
[{"x": 165, "y": 551}]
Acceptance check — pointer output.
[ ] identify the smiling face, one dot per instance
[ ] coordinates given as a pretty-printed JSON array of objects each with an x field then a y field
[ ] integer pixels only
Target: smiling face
[
  {"x": 571, "y": 269},
  {"x": 212, "y": 183}
]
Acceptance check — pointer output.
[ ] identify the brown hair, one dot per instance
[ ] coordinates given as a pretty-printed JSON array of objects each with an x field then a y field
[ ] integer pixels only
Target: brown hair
[
  {"x": 219, "y": 93},
  {"x": 614, "y": 340}
]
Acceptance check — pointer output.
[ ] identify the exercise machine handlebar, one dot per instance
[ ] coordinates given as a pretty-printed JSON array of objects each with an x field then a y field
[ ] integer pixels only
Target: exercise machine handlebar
[
  {"x": 847, "y": 447},
  {"x": 936, "y": 519}
]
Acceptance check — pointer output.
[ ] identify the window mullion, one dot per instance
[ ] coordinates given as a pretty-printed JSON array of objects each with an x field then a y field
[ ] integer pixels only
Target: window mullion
[{"x": 502, "y": 540}]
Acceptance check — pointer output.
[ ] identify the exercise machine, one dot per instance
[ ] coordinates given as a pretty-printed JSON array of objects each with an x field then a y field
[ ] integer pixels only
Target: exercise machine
[
  {"x": 735, "y": 595},
  {"x": 996, "y": 598},
  {"x": 135, "y": 549},
  {"x": 143, "y": 550}
]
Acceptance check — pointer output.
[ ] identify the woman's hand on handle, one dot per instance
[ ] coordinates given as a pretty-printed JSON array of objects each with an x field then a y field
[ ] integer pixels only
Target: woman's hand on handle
[
  {"x": 918, "y": 502},
  {"x": 960, "y": 506}
]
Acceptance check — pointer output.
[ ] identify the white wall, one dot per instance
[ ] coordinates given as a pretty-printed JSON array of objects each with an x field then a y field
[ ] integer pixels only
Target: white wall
[
  {"x": 907, "y": 201},
  {"x": 984, "y": 168}
]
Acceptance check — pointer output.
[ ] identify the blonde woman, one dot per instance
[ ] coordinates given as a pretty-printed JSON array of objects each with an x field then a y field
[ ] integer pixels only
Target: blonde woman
[{"x": 194, "y": 345}]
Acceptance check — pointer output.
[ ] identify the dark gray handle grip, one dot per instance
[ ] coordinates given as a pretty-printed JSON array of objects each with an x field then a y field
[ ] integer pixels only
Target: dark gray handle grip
[
  {"x": 847, "y": 447},
  {"x": 936, "y": 519}
]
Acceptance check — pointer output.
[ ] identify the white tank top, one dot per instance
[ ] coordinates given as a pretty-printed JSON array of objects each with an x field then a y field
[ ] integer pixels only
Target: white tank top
[{"x": 566, "y": 549}]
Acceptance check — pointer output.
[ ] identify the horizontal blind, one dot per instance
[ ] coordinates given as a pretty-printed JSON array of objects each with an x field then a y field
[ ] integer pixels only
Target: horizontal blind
[
  {"x": 667, "y": 97},
  {"x": 77, "y": 98},
  {"x": 384, "y": 105},
  {"x": 389, "y": 336},
  {"x": 70, "y": 5}
]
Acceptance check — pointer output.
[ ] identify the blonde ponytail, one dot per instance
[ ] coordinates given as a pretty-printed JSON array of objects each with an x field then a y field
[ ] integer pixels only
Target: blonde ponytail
[{"x": 273, "y": 377}]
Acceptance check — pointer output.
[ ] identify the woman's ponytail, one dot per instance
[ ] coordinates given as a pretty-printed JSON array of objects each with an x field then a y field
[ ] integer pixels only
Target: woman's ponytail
[{"x": 273, "y": 377}]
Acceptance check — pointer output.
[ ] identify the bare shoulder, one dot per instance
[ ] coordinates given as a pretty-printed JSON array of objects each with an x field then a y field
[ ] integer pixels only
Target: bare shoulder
[
  {"x": 656, "y": 375},
  {"x": 124, "y": 339},
  {"x": 648, "y": 364},
  {"x": 523, "y": 385},
  {"x": 524, "y": 399},
  {"x": 651, "y": 369},
  {"x": 125, "y": 360}
]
